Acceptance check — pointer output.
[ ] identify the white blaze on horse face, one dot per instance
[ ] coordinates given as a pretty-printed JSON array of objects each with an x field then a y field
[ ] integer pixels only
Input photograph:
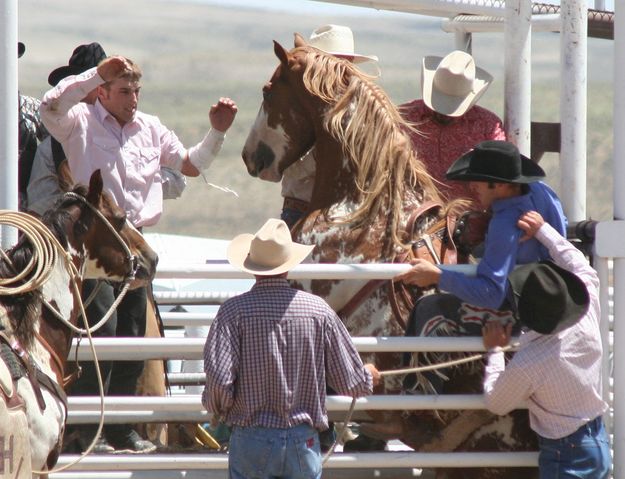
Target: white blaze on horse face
[
  {"x": 275, "y": 138},
  {"x": 92, "y": 269}
]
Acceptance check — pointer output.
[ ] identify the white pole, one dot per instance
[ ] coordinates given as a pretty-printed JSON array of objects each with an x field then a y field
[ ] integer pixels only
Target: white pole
[
  {"x": 8, "y": 115},
  {"x": 618, "y": 178},
  {"x": 573, "y": 74},
  {"x": 518, "y": 73},
  {"x": 603, "y": 271},
  {"x": 464, "y": 42}
]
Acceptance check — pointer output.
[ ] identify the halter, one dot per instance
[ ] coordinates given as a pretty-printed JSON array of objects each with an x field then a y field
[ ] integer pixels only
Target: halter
[{"x": 132, "y": 259}]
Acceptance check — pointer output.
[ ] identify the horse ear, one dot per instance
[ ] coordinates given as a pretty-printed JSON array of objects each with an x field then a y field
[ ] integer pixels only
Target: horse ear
[
  {"x": 281, "y": 53},
  {"x": 299, "y": 41},
  {"x": 95, "y": 188},
  {"x": 66, "y": 180}
]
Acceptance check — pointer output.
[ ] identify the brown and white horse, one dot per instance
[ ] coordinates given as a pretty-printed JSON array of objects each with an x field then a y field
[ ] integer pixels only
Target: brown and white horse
[
  {"x": 368, "y": 186},
  {"x": 102, "y": 244}
]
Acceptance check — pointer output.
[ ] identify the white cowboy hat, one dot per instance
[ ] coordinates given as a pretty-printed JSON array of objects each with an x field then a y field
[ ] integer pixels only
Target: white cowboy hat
[
  {"x": 453, "y": 84},
  {"x": 270, "y": 251},
  {"x": 338, "y": 40}
]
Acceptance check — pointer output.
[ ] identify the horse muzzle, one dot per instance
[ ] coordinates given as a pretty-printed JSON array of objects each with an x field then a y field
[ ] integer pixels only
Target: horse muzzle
[{"x": 260, "y": 161}]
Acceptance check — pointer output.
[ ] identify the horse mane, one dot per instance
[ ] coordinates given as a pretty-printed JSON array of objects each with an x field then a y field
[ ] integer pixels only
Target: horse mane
[
  {"x": 24, "y": 309},
  {"x": 383, "y": 158}
]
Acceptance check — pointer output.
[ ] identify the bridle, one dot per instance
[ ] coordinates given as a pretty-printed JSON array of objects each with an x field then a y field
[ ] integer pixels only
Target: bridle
[{"x": 133, "y": 266}]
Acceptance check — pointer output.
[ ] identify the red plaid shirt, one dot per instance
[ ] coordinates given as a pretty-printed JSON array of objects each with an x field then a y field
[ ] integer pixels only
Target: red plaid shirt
[
  {"x": 269, "y": 354},
  {"x": 438, "y": 145}
]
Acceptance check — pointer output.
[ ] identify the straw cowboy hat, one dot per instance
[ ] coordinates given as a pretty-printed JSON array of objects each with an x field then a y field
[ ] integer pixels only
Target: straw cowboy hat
[
  {"x": 495, "y": 161},
  {"x": 83, "y": 58},
  {"x": 270, "y": 251},
  {"x": 548, "y": 298},
  {"x": 338, "y": 41},
  {"x": 453, "y": 84}
]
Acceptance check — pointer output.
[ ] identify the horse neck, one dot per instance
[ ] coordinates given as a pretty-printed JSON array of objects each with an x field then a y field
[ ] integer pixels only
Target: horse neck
[{"x": 333, "y": 180}]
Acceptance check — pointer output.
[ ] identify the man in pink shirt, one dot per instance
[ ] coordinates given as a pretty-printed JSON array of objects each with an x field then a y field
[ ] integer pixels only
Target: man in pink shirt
[
  {"x": 447, "y": 120},
  {"x": 557, "y": 370},
  {"x": 129, "y": 147}
]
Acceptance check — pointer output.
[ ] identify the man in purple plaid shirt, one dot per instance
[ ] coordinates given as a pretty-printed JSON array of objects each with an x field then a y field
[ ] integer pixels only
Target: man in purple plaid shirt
[{"x": 268, "y": 357}]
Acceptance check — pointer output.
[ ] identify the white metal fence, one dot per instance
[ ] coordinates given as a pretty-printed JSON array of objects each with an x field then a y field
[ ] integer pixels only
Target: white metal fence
[{"x": 187, "y": 408}]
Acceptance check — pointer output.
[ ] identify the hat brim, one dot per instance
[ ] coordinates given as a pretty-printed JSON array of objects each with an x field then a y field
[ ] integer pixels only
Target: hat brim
[
  {"x": 354, "y": 57},
  {"x": 460, "y": 170},
  {"x": 578, "y": 297},
  {"x": 60, "y": 73},
  {"x": 450, "y": 105},
  {"x": 238, "y": 256}
]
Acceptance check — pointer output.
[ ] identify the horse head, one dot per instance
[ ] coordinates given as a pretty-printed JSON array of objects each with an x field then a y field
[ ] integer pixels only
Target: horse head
[
  {"x": 283, "y": 130},
  {"x": 113, "y": 247}
]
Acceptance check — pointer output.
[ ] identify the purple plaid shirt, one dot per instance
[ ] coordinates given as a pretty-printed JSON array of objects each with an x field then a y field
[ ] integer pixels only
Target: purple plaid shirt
[{"x": 269, "y": 354}]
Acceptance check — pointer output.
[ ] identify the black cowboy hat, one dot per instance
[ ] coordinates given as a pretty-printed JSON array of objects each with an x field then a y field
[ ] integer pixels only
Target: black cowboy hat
[
  {"x": 21, "y": 48},
  {"x": 548, "y": 298},
  {"x": 495, "y": 161},
  {"x": 83, "y": 58}
]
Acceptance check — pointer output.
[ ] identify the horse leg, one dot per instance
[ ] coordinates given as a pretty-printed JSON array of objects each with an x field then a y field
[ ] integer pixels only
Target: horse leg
[{"x": 152, "y": 379}]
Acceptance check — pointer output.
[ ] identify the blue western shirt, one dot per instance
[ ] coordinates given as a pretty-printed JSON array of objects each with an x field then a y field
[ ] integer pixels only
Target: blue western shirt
[{"x": 503, "y": 250}]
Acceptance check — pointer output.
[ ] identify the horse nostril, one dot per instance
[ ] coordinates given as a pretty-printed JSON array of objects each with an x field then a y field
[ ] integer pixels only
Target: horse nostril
[{"x": 263, "y": 157}]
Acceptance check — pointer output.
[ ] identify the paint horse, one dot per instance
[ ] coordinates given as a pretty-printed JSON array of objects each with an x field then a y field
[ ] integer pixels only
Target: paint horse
[
  {"x": 35, "y": 342},
  {"x": 372, "y": 202}
]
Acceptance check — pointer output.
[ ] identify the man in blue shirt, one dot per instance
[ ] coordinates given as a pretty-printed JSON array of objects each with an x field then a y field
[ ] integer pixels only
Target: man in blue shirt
[{"x": 508, "y": 184}]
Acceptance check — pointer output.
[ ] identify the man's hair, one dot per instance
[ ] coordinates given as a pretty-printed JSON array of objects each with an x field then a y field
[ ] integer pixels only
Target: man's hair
[{"x": 133, "y": 74}]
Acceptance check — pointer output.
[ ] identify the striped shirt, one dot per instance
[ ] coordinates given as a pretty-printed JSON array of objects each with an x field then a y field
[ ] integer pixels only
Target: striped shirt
[
  {"x": 269, "y": 354},
  {"x": 558, "y": 375}
]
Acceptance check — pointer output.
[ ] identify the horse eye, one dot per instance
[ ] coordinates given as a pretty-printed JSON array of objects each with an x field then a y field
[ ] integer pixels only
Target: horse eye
[{"x": 120, "y": 221}]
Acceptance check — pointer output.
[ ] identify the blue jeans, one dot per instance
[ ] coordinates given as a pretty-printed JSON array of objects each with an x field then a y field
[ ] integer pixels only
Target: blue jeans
[
  {"x": 260, "y": 452},
  {"x": 584, "y": 454}
]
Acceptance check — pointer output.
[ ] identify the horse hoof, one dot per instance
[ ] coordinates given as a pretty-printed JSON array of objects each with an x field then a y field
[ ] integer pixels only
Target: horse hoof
[
  {"x": 132, "y": 443},
  {"x": 364, "y": 444}
]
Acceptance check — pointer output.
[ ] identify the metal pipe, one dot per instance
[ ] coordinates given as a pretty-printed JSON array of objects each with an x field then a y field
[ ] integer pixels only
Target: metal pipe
[
  {"x": 187, "y": 319},
  {"x": 134, "y": 349},
  {"x": 222, "y": 270},
  {"x": 483, "y": 24},
  {"x": 382, "y": 460},
  {"x": 437, "y": 8},
  {"x": 8, "y": 116},
  {"x": 573, "y": 94},
  {"x": 518, "y": 73},
  {"x": 618, "y": 178},
  {"x": 602, "y": 268}
]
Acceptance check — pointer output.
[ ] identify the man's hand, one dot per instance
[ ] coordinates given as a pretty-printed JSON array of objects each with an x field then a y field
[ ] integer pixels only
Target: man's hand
[
  {"x": 423, "y": 274},
  {"x": 375, "y": 374},
  {"x": 494, "y": 334},
  {"x": 530, "y": 223},
  {"x": 221, "y": 115},
  {"x": 112, "y": 67}
]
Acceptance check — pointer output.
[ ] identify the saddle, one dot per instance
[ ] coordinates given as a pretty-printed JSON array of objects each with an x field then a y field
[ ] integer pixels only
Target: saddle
[{"x": 450, "y": 240}]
